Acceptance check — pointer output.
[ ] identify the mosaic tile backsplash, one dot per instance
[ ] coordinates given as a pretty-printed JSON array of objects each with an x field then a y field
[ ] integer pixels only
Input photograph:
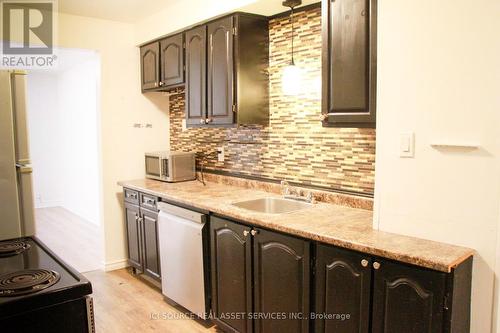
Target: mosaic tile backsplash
[{"x": 294, "y": 146}]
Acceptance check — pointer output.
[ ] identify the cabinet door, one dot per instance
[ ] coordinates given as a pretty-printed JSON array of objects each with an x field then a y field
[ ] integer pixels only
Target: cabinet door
[
  {"x": 349, "y": 62},
  {"x": 134, "y": 244},
  {"x": 220, "y": 71},
  {"x": 151, "y": 256},
  {"x": 172, "y": 60},
  {"x": 231, "y": 260},
  {"x": 343, "y": 287},
  {"x": 281, "y": 282},
  {"x": 150, "y": 66},
  {"x": 407, "y": 299},
  {"x": 196, "y": 79}
]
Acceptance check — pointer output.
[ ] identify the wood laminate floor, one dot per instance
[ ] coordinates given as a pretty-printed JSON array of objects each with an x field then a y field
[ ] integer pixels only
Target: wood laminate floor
[
  {"x": 76, "y": 241},
  {"x": 124, "y": 303}
]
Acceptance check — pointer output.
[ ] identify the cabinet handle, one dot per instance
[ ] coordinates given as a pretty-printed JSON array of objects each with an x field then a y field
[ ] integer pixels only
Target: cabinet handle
[
  {"x": 254, "y": 232},
  {"x": 364, "y": 263},
  {"x": 202, "y": 121},
  {"x": 245, "y": 233},
  {"x": 136, "y": 217},
  {"x": 376, "y": 265}
]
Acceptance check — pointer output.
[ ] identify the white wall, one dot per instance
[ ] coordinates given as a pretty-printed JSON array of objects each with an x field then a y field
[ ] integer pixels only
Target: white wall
[
  {"x": 121, "y": 105},
  {"x": 439, "y": 76},
  {"x": 63, "y": 111},
  {"x": 45, "y": 131},
  {"x": 78, "y": 107}
]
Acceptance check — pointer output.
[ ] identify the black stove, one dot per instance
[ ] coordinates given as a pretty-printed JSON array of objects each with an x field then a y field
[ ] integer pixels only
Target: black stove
[{"x": 39, "y": 292}]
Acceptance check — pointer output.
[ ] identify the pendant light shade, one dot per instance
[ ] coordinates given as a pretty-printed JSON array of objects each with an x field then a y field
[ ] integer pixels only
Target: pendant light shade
[{"x": 291, "y": 77}]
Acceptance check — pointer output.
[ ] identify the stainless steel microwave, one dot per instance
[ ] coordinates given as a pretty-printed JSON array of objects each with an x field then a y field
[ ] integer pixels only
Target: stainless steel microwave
[{"x": 170, "y": 166}]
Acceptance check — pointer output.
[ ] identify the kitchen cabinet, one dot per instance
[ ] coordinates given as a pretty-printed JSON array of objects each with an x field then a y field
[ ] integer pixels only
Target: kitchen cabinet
[
  {"x": 349, "y": 63},
  {"x": 162, "y": 64},
  {"x": 404, "y": 298},
  {"x": 150, "y": 66},
  {"x": 231, "y": 267},
  {"x": 226, "y": 71},
  {"x": 196, "y": 79},
  {"x": 280, "y": 268},
  {"x": 141, "y": 220},
  {"x": 281, "y": 281},
  {"x": 343, "y": 286},
  {"x": 172, "y": 60}
]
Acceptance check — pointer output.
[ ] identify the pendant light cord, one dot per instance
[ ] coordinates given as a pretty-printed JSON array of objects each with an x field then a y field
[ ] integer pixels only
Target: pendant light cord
[{"x": 293, "y": 30}]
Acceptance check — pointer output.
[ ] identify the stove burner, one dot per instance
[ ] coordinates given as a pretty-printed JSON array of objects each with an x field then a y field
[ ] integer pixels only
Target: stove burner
[
  {"x": 13, "y": 248},
  {"x": 27, "y": 281}
]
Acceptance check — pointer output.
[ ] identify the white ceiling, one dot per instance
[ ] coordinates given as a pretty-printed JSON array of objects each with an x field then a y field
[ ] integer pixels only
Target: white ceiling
[{"x": 129, "y": 11}]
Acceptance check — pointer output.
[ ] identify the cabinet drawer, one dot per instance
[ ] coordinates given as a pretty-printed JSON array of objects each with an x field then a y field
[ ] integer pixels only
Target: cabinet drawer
[
  {"x": 131, "y": 196},
  {"x": 148, "y": 201}
]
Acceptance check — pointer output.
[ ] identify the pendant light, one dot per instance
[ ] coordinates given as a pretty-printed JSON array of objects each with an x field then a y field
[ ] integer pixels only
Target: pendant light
[{"x": 290, "y": 80}]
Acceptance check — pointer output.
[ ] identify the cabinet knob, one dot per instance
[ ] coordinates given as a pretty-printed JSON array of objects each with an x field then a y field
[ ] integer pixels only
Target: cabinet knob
[
  {"x": 376, "y": 265},
  {"x": 245, "y": 233},
  {"x": 254, "y": 232},
  {"x": 364, "y": 263},
  {"x": 161, "y": 83},
  {"x": 202, "y": 121},
  {"x": 208, "y": 120}
]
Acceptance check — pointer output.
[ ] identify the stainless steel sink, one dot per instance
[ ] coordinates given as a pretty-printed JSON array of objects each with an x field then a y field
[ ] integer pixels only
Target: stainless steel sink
[{"x": 273, "y": 205}]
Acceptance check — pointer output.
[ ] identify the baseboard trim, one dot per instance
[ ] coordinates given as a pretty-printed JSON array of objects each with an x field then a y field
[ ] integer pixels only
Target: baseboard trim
[{"x": 114, "y": 265}]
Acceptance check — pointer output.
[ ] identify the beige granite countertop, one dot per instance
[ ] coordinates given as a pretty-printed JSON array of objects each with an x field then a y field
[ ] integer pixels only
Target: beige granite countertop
[{"x": 345, "y": 227}]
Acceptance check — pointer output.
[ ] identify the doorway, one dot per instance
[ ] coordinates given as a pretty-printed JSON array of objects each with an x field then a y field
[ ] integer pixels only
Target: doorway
[{"x": 64, "y": 131}]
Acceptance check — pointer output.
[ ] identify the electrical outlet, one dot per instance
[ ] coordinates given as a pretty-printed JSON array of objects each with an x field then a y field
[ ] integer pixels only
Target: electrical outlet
[{"x": 220, "y": 154}]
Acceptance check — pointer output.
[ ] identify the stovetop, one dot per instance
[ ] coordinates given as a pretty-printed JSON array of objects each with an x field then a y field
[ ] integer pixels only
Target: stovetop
[{"x": 32, "y": 276}]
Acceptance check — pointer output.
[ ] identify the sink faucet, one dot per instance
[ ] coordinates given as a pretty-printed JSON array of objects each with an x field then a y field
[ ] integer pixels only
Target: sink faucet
[{"x": 295, "y": 193}]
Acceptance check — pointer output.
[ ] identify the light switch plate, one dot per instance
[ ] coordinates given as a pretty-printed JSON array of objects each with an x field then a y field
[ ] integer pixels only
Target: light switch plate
[{"x": 407, "y": 145}]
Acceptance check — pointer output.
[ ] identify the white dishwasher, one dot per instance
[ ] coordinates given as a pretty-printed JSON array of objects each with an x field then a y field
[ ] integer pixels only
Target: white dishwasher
[{"x": 183, "y": 279}]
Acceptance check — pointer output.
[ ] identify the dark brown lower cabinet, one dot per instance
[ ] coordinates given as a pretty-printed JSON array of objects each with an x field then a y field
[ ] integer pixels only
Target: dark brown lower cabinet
[
  {"x": 151, "y": 256},
  {"x": 404, "y": 298},
  {"x": 231, "y": 267},
  {"x": 343, "y": 287},
  {"x": 142, "y": 240},
  {"x": 260, "y": 279},
  {"x": 281, "y": 278},
  {"x": 407, "y": 299},
  {"x": 132, "y": 214}
]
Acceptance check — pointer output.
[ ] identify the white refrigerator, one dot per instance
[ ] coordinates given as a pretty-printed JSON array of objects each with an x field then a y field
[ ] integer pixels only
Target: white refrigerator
[{"x": 16, "y": 194}]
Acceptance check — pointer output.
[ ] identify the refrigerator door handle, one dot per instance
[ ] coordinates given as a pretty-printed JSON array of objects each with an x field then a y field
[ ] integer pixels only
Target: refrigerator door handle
[
  {"x": 21, "y": 168},
  {"x": 21, "y": 138},
  {"x": 25, "y": 193}
]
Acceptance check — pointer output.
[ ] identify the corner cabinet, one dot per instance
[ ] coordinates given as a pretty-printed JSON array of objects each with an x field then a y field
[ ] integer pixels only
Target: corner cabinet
[
  {"x": 349, "y": 63},
  {"x": 258, "y": 271},
  {"x": 403, "y": 298},
  {"x": 226, "y": 71},
  {"x": 141, "y": 220},
  {"x": 162, "y": 64}
]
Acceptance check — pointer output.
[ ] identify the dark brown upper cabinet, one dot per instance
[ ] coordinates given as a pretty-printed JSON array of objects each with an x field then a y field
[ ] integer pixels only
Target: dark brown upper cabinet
[
  {"x": 220, "y": 71},
  {"x": 162, "y": 64},
  {"x": 226, "y": 70},
  {"x": 196, "y": 79},
  {"x": 349, "y": 63},
  {"x": 172, "y": 60},
  {"x": 150, "y": 66}
]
